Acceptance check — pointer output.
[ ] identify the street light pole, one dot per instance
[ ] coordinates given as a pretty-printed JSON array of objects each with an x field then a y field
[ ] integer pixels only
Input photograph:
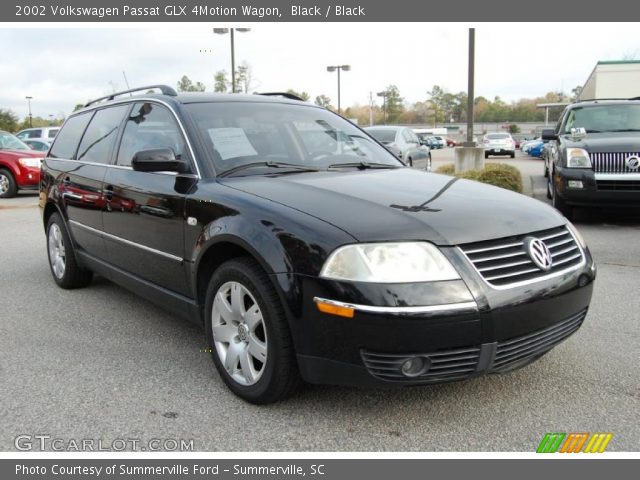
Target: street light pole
[
  {"x": 30, "y": 116},
  {"x": 383, "y": 94},
  {"x": 222, "y": 31},
  {"x": 333, "y": 68},
  {"x": 470, "y": 87}
]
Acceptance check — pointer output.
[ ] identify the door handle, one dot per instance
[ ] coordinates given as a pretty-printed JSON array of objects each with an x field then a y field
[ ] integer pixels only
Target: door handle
[{"x": 108, "y": 192}]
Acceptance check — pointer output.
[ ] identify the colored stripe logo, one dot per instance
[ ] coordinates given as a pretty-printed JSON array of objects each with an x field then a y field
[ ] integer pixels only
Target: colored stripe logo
[{"x": 574, "y": 442}]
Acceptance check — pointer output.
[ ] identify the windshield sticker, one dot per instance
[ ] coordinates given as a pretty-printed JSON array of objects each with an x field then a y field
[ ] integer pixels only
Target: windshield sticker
[{"x": 231, "y": 143}]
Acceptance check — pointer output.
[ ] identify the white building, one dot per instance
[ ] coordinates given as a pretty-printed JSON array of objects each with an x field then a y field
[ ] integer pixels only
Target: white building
[{"x": 613, "y": 79}]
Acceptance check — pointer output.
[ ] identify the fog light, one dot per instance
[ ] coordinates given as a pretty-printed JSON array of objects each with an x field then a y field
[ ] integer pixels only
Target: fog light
[
  {"x": 415, "y": 366},
  {"x": 575, "y": 184}
]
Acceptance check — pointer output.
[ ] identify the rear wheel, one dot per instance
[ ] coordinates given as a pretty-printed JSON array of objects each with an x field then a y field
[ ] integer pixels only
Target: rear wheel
[
  {"x": 248, "y": 334},
  {"x": 65, "y": 269},
  {"x": 8, "y": 186}
]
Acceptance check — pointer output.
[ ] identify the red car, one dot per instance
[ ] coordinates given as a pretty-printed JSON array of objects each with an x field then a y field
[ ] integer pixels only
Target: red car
[
  {"x": 19, "y": 166},
  {"x": 451, "y": 142}
]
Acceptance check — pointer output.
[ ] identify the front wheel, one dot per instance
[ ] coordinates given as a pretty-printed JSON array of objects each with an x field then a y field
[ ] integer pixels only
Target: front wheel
[
  {"x": 559, "y": 203},
  {"x": 8, "y": 187},
  {"x": 248, "y": 334}
]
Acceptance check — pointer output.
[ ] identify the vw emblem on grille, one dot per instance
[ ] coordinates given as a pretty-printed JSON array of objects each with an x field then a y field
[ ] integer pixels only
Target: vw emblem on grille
[
  {"x": 539, "y": 253},
  {"x": 632, "y": 162}
]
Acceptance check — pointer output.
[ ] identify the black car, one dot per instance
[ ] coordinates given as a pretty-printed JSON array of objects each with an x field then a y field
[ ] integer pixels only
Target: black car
[
  {"x": 304, "y": 247},
  {"x": 594, "y": 157}
]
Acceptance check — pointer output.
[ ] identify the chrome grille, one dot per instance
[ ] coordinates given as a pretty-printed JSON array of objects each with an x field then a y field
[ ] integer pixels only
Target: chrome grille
[
  {"x": 521, "y": 350},
  {"x": 505, "y": 262},
  {"x": 446, "y": 365},
  {"x": 613, "y": 162}
]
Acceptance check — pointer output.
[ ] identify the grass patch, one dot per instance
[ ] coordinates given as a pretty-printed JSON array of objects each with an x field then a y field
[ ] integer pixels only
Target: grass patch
[{"x": 497, "y": 174}]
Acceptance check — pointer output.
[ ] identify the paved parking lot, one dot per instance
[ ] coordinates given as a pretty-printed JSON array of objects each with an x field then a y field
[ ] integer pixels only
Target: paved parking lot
[{"x": 101, "y": 363}]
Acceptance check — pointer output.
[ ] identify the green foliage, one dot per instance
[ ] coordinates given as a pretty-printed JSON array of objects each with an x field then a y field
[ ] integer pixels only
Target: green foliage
[
  {"x": 303, "y": 95},
  {"x": 8, "y": 120},
  {"x": 514, "y": 128},
  {"x": 394, "y": 103},
  {"x": 221, "y": 82},
  {"x": 497, "y": 174},
  {"x": 186, "y": 85},
  {"x": 323, "y": 101}
]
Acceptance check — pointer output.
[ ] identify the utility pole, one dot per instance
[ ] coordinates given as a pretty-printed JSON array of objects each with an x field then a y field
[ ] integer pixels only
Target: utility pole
[
  {"x": 30, "y": 116},
  {"x": 470, "y": 89},
  {"x": 370, "y": 109}
]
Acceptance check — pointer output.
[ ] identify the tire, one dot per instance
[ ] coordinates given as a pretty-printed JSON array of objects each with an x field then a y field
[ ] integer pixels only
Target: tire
[
  {"x": 549, "y": 186},
  {"x": 63, "y": 264},
  {"x": 512, "y": 154},
  {"x": 486, "y": 155},
  {"x": 410, "y": 161},
  {"x": 232, "y": 339},
  {"x": 546, "y": 174},
  {"x": 428, "y": 169},
  {"x": 559, "y": 203},
  {"x": 8, "y": 186}
]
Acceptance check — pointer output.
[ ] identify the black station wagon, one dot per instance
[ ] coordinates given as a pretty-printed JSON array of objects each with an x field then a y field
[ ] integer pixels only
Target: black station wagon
[{"x": 306, "y": 249}]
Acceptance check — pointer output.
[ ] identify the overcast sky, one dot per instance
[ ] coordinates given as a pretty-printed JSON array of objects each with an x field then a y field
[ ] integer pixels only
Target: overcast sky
[{"x": 63, "y": 65}]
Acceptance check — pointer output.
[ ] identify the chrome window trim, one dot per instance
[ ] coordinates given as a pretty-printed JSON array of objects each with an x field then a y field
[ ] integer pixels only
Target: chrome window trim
[
  {"x": 452, "y": 307},
  {"x": 125, "y": 241},
  {"x": 138, "y": 100},
  {"x": 120, "y": 167},
  {"x": 582, "y": 263},
  {"x": 617, "y": 176}
]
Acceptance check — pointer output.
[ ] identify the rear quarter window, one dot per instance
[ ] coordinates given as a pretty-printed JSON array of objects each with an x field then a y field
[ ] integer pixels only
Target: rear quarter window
[{"x": 66, "y": 142}]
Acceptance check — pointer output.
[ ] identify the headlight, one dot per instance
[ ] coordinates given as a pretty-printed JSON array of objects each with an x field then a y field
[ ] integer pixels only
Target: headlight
[
  {"x": 578, "y": 158},
  {"x": 29, "y": 162},
  {"x": 401, "y": 262},
  {"x": 577, "y": 234}
]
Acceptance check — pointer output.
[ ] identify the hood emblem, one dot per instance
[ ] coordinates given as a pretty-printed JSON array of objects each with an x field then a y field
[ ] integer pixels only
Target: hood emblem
[
  {"x": 539, "y": 253},
  {"x": 632, "y": 162}
]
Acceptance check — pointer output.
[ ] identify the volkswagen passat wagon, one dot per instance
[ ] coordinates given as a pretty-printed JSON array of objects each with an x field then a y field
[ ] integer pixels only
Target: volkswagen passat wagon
[{"x": 306, "y": 249}]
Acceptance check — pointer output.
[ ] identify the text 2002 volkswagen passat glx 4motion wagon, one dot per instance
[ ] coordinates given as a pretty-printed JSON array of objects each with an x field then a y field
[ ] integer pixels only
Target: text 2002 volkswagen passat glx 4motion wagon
[{"x": 304, "y": 247}]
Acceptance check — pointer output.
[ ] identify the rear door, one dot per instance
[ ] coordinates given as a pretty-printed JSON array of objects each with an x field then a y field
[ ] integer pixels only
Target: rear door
[
  {"x": 144, "y": 213},
  {"x": 78, "y": 159}
]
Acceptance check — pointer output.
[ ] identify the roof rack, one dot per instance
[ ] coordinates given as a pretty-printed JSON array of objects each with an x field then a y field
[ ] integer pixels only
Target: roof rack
[
  {"x": 166, "y": 90},
  {"x": 288, "y": 95}
]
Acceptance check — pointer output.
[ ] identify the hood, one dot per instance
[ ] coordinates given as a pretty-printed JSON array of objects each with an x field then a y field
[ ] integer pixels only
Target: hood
[
  {"x": 16, "y": 154},
  {"x": 404, "y": 204},
  {"x": 607, "y": 142}
]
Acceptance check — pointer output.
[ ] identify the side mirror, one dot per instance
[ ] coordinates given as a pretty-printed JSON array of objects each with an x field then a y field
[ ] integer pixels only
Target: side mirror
[
  {"x": 549, "y": 134},
  {"x": 158, "y": 160}
]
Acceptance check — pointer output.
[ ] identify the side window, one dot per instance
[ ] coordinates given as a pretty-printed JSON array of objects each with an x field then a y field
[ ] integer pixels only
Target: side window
[
  {"x": 101, "y": 135},
  {"x": 150, "y": 126},
  {"x": 53, "y": 133},
  {"x": 35, "y": 133},
  {"x": 406, "y": 135},
  {"x": 66, "y": 142},
  {"x": 414, "y": 138}
]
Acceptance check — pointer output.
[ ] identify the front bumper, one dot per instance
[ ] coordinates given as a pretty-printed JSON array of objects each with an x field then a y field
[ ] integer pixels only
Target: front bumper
[
  {"x": 28, "y": 178},
  {"x": 468, "y": 328},
  {"x": 498, "y": 150},
  {"x": 598, "y": 189}
]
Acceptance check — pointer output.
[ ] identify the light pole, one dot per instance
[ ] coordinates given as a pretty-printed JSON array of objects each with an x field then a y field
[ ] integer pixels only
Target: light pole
[
  {"x": 384, "y": 95},
  {"x": 223, "y": 31},
  {"x": 333, "y": 68},
  {"x": 30, "y": 116}
]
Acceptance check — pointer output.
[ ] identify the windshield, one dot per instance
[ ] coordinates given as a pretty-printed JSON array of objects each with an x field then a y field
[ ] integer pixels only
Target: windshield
[
  {"x": 386, "y": 135},
  {"x": 10, "y": 142},
  {"x": 604, "y": 118},
  {"x": 240, "y": 133}
]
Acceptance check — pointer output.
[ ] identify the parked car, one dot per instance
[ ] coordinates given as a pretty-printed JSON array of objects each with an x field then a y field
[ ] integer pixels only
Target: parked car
[
  {"x": 526, "y": 144},
  {"x": 19, "y": 166},
  {"x": 45, "y": 134},
  {"x": 37, "y": 145},
  {"x": 535, "y": 149},
  {"x": 403, "y": 143},
  {"x": 300, "y": 262},
  {"x": 498, "y": 144},
  {"x": 450, "y": 142},
  {"x": 596, "y": 156}
]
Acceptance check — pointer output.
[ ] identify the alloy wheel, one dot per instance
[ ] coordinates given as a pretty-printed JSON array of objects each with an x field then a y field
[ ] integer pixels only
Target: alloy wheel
[
  {"x": 239, "y": 333},
  {"x": 4, "y": 184},
  {"x": 57, "y": 254}
]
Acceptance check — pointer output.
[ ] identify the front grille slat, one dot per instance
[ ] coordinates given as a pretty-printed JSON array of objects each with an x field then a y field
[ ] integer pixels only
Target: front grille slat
[
  {"x": 510, "y": 353},
  {"x": 611, "y": 162},
  {"x": 507, "y": 263}
]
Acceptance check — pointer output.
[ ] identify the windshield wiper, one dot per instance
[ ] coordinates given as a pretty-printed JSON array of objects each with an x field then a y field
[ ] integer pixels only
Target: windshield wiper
[
  {"x": 361, "y": 165},
  {"x": 269, "y": 164}
]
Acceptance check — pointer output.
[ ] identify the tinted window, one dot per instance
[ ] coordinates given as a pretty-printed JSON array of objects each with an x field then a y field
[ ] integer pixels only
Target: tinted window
[
  {"x": 53, "y": 133},
  {"x": 66, "y": 142},
  {"x": 150, "y": 126},
  {"x": 497, "y": 136},
  {"x": 101, "y": 134},
  {"x": 34, "y": 133}
]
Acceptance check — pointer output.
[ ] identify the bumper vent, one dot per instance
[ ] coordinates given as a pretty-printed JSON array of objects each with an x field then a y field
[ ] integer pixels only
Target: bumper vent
[
  {"x": 505, "y": 262},
  {"x": 511, "y": 354},
  {"x": 445, "y": 366},
  {"x": 619, "y": 185},
  {"x": 612, "y": 162}
]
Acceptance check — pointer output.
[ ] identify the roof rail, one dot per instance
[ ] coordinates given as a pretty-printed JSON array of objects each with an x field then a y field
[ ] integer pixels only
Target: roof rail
[
  {"x": 166, "y": 90},
  {"x": 290, "y": 96},
  {"x": 606, "y": 99}
]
